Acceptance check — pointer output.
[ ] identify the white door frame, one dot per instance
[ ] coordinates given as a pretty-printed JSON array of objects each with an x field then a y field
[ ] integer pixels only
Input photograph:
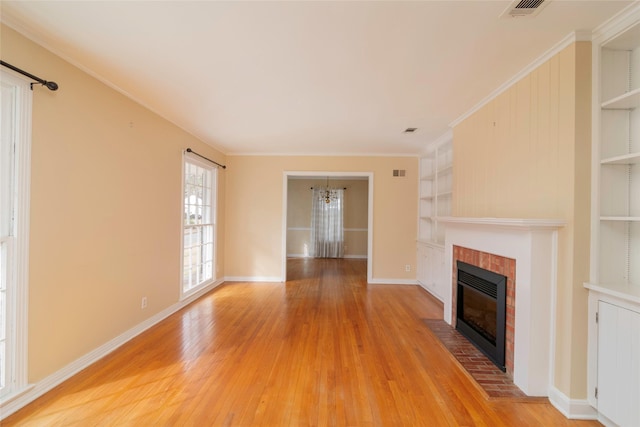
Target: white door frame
[{"x": 285, "y": 180}]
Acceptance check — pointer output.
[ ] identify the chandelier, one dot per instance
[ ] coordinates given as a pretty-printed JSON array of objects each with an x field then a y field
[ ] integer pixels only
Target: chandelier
[{"x": 327, "y": 194}]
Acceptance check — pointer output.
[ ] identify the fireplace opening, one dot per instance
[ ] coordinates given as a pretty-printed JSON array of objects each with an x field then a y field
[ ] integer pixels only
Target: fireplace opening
[{"x": 481, "y": 310}]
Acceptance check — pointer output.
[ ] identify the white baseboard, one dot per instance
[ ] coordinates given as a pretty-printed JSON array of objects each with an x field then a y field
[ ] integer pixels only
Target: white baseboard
[
  {"x": 574, "y": 409},
  {"x": 253, "y": 279},
  {"x": 36, "y": 390},
  {"x": 393, "y": 282},
  {"x": 426, "y": 288}
]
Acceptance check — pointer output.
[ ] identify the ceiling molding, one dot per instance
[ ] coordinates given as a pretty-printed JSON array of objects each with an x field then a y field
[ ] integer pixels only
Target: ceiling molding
[
  {"x": 292, "y": 88},
  {"x": 618, "y": 22},
  {"x": 573, "y": 37},
  {"x": 319, "y": 154},
  {"x": 17, "y": 25},
  {"x": 445, "y": 137}
]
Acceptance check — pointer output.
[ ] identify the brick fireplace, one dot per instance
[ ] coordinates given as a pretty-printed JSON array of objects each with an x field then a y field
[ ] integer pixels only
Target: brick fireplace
[
  {"x": 524, "y": 250},
  {"x": 496, "y": 264}
]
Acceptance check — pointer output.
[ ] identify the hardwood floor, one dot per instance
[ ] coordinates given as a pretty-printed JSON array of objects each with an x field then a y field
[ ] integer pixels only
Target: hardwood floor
[{"x": 323, "y": 349}]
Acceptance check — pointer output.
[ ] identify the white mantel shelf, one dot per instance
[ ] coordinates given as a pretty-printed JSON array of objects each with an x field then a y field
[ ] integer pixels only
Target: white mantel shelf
[
  {"x": 533, "y": 243},
  {"x": 521, "y": 223}
]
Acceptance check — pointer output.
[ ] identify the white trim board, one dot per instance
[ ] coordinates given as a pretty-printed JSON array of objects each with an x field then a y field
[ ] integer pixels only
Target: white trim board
[
  {"x": 318, "y": 153},
  {"x": 569, "y": 39},
  {"x": 574, "y": 409},
  {"x": 15, "y": 24},
  {"x": 11, "y": 405},
  {"x": 426, "y": 289},
  {"x": 442, "y": 139}
]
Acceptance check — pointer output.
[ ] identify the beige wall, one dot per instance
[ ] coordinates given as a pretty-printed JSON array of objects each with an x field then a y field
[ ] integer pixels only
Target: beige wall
[
  {"x": 526, "y": 154},
  {"x": 255, "y": 212},
  {"x": 105, "y": 210},
  {"x": 299, "y": 199}
]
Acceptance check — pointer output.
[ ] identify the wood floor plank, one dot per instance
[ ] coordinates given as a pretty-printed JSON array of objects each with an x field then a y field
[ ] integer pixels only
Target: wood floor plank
[{"x": 323, "y": 349}]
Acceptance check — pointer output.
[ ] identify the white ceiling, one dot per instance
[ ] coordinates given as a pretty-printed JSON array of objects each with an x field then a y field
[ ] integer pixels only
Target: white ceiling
[{"x": 302, "y": 77}]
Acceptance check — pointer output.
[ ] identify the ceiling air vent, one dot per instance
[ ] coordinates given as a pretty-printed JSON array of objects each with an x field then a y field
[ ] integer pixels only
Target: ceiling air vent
[{"x": 520, "y": 8}]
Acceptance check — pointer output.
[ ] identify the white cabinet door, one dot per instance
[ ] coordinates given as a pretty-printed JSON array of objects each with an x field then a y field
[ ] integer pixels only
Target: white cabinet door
[
  {"x": 619, "y": 364},
  {"x": 439, "y": 275},
  {"x": 422, "y": 265}
]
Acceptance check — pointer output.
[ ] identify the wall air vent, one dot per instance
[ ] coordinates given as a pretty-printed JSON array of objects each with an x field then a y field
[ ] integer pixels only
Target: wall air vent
[{"x": 520, "y": 8}]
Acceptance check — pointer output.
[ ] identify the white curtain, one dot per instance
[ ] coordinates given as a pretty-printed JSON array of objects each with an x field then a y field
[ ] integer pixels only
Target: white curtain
[{"x": 327, "y": 225}]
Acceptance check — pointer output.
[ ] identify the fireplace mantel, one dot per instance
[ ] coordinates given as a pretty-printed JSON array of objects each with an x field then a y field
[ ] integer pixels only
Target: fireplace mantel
[
  {"x": 518, "y": 223},
  {"x": 533, "y": 244}
]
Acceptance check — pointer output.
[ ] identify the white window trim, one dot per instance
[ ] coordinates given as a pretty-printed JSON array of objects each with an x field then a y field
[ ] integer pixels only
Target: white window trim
[
  {"x": 20, "y": 266},
  {"x": 214, "y": 197}
]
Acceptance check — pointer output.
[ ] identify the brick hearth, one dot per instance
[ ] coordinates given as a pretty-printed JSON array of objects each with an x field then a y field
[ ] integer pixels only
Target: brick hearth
[{"x": 495, "y": 383}]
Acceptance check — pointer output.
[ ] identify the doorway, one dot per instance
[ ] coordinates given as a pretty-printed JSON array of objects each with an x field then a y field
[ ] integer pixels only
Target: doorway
[{"x": 297, "y": 214}]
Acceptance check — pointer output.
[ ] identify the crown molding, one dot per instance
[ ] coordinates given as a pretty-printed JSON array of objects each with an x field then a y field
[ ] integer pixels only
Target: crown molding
[
  {"x": 619, "y": 22},
  {"x": 573, "y": 37},
  {"x": 18, "y": 26}
]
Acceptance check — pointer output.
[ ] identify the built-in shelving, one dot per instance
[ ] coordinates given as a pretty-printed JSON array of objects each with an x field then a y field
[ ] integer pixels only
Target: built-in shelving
[
  {"x": 626, "y": 101},
  {"x": 436, "y": 172},
  {"x": 614, "y": 286},
  {"x": 617, "y": 149},
  {"x": 620, "y": 218},
  {"x": 625, "y": 159}
]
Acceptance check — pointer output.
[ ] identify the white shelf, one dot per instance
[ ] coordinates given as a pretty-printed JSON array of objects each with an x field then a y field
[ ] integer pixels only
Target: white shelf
[
  {"x": 614, "y": 283},
  {"x": 620, "y": 218},
  {"x": 445, "y": 169},
  {"x": 626, "y": 291},
  {"x": 431, "y": 243},
  {"x": 627, "y": 159},
  {"x": 436, "y": 170},
  {"x": 627, "y": 101}
]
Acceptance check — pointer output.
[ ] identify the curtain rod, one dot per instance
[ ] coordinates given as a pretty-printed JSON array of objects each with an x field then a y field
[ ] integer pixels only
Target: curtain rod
[
  {"x": 189, "y": 150},
  {"x": 344, "y": 188},
  {"x": 50, "y": 85}
]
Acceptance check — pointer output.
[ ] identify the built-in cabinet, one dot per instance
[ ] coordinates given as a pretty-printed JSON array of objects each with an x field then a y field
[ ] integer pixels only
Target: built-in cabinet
[
  {"x": 431, "y": 272},
  {"x": 614, "y": 300},
  {"x": 436, "y": 183},
  {"x": 618, "y": 367}
]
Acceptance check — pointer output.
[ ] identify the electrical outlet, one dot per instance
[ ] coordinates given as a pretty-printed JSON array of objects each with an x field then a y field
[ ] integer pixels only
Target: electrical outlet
[
  {"x": 407, "y": 267},
  {"x": 144, "y": 303}
]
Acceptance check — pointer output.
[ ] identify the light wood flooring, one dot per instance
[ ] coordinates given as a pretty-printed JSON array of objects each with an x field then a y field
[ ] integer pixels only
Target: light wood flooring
[{"x": 322, "y": 349}]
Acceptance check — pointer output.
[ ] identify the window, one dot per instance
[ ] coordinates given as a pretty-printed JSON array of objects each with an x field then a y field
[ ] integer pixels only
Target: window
[
  {"x": 199, "y": 219},
  {"x": 327, "y": 222},
  {"x": 15, "y": 100}
]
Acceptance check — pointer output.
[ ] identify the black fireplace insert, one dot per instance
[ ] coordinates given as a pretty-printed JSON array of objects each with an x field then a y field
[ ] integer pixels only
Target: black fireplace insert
[{"x": 481, "y": 310}]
